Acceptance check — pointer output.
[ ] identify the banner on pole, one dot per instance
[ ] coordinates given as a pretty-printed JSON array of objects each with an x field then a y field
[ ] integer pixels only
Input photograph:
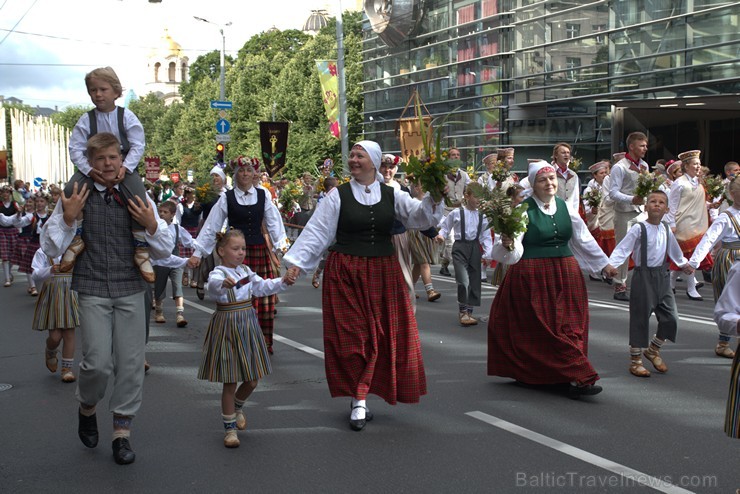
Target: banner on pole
[
  {"x": 274, "y": 143},
  {"x": 330, "y": 93},
  {"x": 151, "y": 165}
]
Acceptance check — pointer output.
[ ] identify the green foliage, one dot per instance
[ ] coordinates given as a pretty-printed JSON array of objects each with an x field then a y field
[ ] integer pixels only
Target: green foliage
[{"x": 68, "y": 117}]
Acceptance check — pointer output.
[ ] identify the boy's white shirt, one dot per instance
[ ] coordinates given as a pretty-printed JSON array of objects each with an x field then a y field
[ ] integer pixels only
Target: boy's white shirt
[
  {"x": 175, "y": 261},
  {"x": 656, "y": 240}
]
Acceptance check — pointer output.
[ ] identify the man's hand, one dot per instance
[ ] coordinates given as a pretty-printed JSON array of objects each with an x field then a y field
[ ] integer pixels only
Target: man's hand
[
  {"x": 72, "y": 205},
  {"x": 193, "y": 262},
  {"x": 291, "y": 276},
  {"x": 143, "y": 213},
  {"x": 638, "y": 201},
  {"x": 688, "y": 270}
]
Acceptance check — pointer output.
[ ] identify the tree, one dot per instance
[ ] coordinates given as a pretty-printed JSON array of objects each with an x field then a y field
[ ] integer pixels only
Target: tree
[
  {"x": 68, "y": 117},
  {"x": 206, "y": 66}
]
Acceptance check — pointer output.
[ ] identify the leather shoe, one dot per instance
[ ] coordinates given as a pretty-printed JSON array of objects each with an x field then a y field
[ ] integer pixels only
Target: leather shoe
[
  {"x": 122, "y": 452},
  {"x": 575, "y": 392},
  {"x": 621, "y": 296},
  {"x": 433, "y": 295},
  {"x": 657, "y": 361},
  {"x": 444, "y": 271},
  {"x": 88, "y": 430},
  {"x": 359, "y": 424},
  {"x": 691, "y": 297}
]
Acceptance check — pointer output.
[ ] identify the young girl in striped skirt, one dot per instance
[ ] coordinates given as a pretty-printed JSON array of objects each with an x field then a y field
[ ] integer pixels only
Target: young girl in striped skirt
[
  {"x": 56, "y": 312},
  {"x": 234, "y": 349}
]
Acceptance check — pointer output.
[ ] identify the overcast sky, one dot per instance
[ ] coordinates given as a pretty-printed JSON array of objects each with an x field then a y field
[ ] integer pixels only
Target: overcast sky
[{"x": 44, "y": 59}]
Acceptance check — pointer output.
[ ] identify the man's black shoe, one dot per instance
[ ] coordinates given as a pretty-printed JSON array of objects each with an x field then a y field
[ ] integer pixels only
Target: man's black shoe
[
  {"x": 88, "y": 430},
  {"x": 444, "y": 271},
  {"x": 122, "y": 452}
]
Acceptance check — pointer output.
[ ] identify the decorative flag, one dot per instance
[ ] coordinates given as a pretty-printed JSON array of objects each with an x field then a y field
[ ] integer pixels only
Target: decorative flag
[
  {"x": 330, "y": 93},
  {"x": 274, "y": 141}
]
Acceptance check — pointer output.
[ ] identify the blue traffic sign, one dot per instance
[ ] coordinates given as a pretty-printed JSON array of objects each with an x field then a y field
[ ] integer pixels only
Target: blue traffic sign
[
  {"x": 222, "y": 105},
  {"x": 223, "y": 126}
]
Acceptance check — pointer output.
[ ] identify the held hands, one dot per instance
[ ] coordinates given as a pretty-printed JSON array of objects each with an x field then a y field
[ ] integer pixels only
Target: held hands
[
  {"x": 55, "y": 268},
  {"x": 610, "y": 271},
  {"x": 72, "y": 205},
  {"x": 193, "y": 262},
  {"x": 439, "y": 239},
  {"x": 291, "y": 275},
  {"x": 688, "y": 270},
  {"x": 143, "y": 213}
]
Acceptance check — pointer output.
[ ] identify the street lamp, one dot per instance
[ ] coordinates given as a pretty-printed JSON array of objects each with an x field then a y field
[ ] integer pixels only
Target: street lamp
[{"x": 223, "y": 51}]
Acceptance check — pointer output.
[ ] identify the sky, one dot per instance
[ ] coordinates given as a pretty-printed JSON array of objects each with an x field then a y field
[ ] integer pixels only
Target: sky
[{"x": 47, "y": 46}]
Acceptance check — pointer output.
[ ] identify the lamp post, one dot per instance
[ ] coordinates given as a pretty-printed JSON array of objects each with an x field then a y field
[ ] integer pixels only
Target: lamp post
[{"x": 223, "y": 52}]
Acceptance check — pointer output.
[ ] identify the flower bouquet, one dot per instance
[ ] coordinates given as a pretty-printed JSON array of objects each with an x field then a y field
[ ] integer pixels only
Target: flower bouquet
[
  {"x": 500, "y": 173},
  {"x": 714, "y": 187},
  {"x": 593, "y": 198},
  {"x": 289, "y": 197},
  {"x": 648, "y": 182},
  {"x": 575, "y": 165},
  {"x": 502, "y": 217},
  {"x": 431, "y": 168},
  {"x": 206, "y": 193}
]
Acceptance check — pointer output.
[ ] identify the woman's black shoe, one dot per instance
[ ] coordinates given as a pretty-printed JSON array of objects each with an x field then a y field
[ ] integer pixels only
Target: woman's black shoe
[
  {"x": 575, "y": 392},
  {"x": 359, "y": 424},
  {"x": 88, "y": 430}
]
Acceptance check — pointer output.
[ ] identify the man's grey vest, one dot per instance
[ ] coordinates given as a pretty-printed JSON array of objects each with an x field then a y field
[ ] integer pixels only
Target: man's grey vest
[{"x": 106, "y": 267}]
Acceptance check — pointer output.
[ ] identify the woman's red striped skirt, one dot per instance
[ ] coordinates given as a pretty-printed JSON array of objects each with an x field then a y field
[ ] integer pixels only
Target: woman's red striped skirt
[
  {"x": 538, "y": 329},
  {"x": 371, "y": 341}
]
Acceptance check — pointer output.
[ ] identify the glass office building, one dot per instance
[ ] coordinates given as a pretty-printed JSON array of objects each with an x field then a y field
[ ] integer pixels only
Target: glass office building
[{"x": 528, "y": 74}]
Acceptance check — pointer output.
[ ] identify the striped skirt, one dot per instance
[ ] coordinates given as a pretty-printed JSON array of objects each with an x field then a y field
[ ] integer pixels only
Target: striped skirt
[
  {"x": 538, "y": 329},
  {"x": 727, "y": 255},
  {"x": 56, "y": 307},
  {"x": 732, "y": 416},
  {"x": 234, "y": 349},
  {"x": 371, "y": 341},
  {"x": 423, "y": 248},
  {"x": 8, "y": 240}
]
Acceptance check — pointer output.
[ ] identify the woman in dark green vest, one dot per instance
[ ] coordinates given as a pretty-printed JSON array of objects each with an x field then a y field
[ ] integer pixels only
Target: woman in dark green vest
[
  {"x": 538, "y": 329},
  {"x": 371, "y": 341}
]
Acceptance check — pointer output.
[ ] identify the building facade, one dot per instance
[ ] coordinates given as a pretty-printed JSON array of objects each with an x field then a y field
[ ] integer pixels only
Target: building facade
[{"x": 528, "y": 74}]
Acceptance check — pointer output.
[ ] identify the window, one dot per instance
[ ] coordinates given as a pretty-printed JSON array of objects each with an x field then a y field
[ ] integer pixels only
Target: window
[
  {"x": 572, "y": 30},
  {"x": 171, "y": 72},
  {"x": 156, "y": 71},
  {"x": 598, "y": 29},
  {"x": 572, "y": 63}
]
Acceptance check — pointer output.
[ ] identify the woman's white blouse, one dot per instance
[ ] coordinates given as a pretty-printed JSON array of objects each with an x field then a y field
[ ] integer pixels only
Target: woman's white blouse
[{"x": 321, "y": 229}]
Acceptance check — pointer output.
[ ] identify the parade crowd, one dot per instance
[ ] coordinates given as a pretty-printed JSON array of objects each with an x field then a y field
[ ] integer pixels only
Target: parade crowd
[{"x": 99, "y": 253}]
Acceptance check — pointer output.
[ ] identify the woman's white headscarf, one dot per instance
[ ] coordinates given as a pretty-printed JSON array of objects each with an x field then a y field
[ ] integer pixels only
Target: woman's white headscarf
[
  {"x": 535, "y": 168},
  {"x": 217, "y": 170},
  {"x": 376, "y": 155}
]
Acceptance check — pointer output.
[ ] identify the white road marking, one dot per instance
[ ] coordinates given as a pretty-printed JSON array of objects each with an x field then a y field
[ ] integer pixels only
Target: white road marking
[{"x": 627, "y": 472}]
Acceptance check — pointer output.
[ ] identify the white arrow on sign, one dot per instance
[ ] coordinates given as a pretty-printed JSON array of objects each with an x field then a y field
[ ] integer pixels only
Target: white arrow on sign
[{"x": 223, "y": 126}]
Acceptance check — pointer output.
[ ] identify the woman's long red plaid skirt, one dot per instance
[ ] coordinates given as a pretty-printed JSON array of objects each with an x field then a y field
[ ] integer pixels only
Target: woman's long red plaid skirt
[
  {"x": 371, "y": 341},
  {"x": 538, "y": 330},
  {"x": 258, "y": 260}
]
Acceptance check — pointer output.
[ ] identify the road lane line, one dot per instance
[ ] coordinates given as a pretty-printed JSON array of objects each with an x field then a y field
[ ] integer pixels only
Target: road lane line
[
  {"x": 627, "y": 472},
  {"x": 286, "y": 341}
]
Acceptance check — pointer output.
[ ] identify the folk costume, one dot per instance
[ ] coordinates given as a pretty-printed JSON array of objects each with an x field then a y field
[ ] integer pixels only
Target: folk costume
[
  {"x": 112, "y": 308},
  {"x": 371, "y": 340},
  {"x": 725, "y": 232},
  {"x": 689, "y": 217},
  {"x": 246, "y": 210},
  {"x": 28, "y": 244},
  {"x": 8, "y": 236},
  {"x": 456, "y": 183},
  {"x": 651, "y": 247},
  {"x": 621, "y": 191},
  {"x": 727, "y": 317},
  {"x": 234, "y": 349},
  {"x": 470, "y": 230},
  {"x": 171, "y": 268},
  {"x": 538, "y": 328},
  {"x": 569, "y": 186},
  {"x": 56, "y": 308},
  {"x": 188, "y": 216},
  {"x": 208, "y": 262}
]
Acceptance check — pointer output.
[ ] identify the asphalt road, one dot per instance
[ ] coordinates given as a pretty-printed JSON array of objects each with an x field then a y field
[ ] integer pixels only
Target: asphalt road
[{"x": 471, "y": 433}]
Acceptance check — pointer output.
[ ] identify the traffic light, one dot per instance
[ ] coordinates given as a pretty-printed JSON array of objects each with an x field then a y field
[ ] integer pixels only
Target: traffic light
[{"x": 220, "y": 152}]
